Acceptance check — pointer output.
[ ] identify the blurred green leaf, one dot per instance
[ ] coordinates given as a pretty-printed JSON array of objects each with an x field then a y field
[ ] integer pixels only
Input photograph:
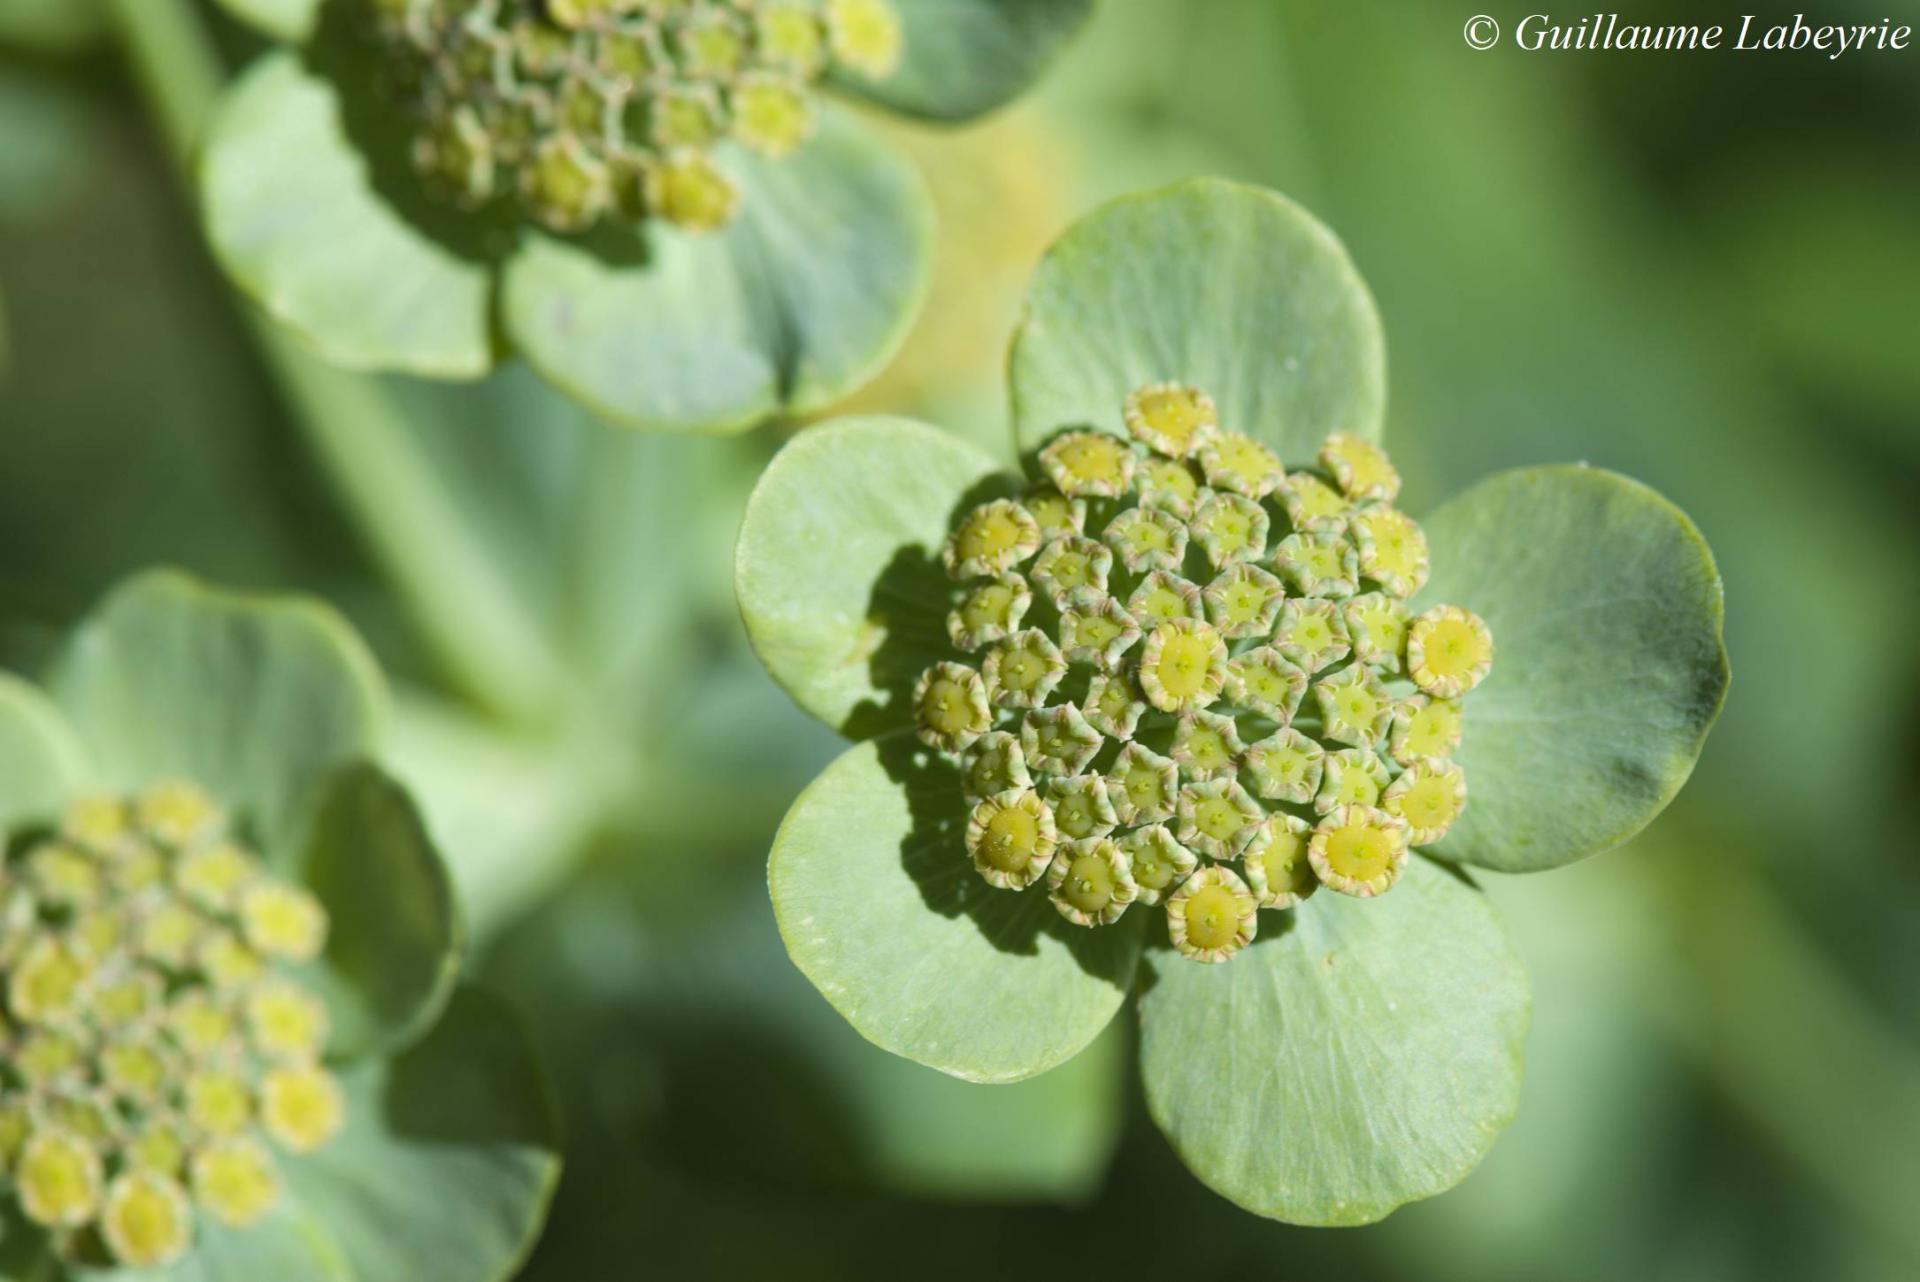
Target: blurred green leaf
[
  {"x": 795, "y": 304},
  {"x": 1358, "y": 1055},
  {"x": 253, "y": 698},
  {"x": 289, "y": 20},
  {"x": 1818, "y": 242},
  {"x": 838, "y": 569},
  {"x": 47, "y": 143},
  {"x": 394, "y": 936},
  {"x": 448, "y": 1157},
  {"x": 1230, "y": 288},
  {"x": 1609, "y": 669},
  {"x": 56, "y": 26},
  {"x": 965, "y": 57},
  {"x": 296, "y": 219},
  {"x": 881, "y": 908},
  {"x": 41, "y": 762}
]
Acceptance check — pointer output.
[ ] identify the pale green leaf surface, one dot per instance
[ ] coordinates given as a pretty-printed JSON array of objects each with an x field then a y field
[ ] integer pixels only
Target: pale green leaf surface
[
  {"x": 394, "y": 936},
  {"x": 881, "y": 908},
  {"x": 250, "y": 697},
  {"x": 966, "y": 57},
  {"x": 838, "y": 569},
  {"x": 295, "y": 217},
  {"x": 289, "y": 20},
  {"x": 1358, "y": 1055},
  {"x": 797, "y": 303},
  {"x": 1231, "y": 288},
  {"x": 289, "y": 1245},
  {"x": 41, "y": 762},
  {"x": 448, "y": 1157},
  {"x": 1608, "y": 667}
]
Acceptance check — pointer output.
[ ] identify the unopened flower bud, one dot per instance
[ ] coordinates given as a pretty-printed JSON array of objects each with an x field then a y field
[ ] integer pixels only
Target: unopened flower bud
[
  {"x": 1058, "y": 740},
  {"x": 1244, "y": 601},
  {"x": 1449, "y": 651},
  {"x": 146, "y": 1221},
  {"x": 1081, "y": 807},
  {"x": 950, "y": 707},
  {"x": 1206, "y": 746},
  {"x": 1217, "y": 817},
  {"x": 1377, "y": 627},
  {"x": 1359, "y": 850},
  {"x": 1162, "y": 596},
  {"x": 1144, "y": 786},
  {"x": 1096, "y": 629},
  {"x": 1021, "y": 671},
  {"x": 1311, "y": 503},
  {"x": 1236, "y": 462},
  {"x": 995, "y": 764},
  {"x": 1090, "y": 882},
  {"x": 1088, "y": 464},
  {"x": 1429, "y": 796},
  {"x": 866, "y": 35},
  {"x": 1354, "y": 777},
  {"x": 1268, "y": 682},
  {"x": 1212, "y": 915},
  {"x": 1113, "y": 705},
  {"x": 235, "y": 1180},
  {"x": 1230, "y": 528},
  {"x": 1392, "y": 550},
  {"x": 1069, "y": 564},
  {"x": 1184, "y": 666},
  {"x": 1360, "y": 468},
  {"x": 1158, "y": 862},
  {"x": 1167, "y": 484},
  {"x": 1319, "y": 564},
  {"x": 1011, "y": 838},
  {"x": 1172, "y": 419},
  {"x": 1148, "y": 538},
  {"x": 1278, "y": 869},
  {"x": 1355, "y": 707},
  {"x": 1311, "y": 634},
  {"x": 991, "y": 539},
  {"x": 990, "y": 612}
]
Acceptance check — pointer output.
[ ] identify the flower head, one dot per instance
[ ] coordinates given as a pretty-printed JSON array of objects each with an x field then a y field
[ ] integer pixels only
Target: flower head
[
  {"x": 580, "y": 110},
  {"x": 154, "y": 1032},
  {"x": 1146, "y": 730}
]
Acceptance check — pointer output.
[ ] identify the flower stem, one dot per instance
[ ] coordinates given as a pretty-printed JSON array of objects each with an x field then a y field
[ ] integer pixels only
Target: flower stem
[{"x": 469, "y": 617}]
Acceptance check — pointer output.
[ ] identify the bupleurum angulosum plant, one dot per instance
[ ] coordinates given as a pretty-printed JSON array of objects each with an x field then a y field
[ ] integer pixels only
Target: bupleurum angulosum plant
[
  {"x": 235, "y": 1041},
  {"x": 1191, "y": 662},
  {"x": 653, "y": 201}
]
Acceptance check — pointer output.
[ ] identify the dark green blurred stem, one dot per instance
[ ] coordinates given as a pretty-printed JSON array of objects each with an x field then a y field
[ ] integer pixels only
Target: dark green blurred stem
[
  {"x": 463, "y": 610},
  {"x": 1789, "y": 1041}
]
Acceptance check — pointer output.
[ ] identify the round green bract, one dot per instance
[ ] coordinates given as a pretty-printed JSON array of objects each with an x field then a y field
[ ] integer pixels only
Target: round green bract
[
  {"x": 964, "y": 58},
  {"x": 838, "y": 566},
  {"x": 1363, "y": 1057},
  {"x": 1214, "y": 284},
  {"x": 794, "y": 305},
  {"x": 881, "y": 909},
  {"x": 1609, "y": 666}
]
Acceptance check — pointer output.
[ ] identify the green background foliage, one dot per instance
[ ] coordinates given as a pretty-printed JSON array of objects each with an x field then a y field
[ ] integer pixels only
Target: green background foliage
[{"x": 1694, "y": 271}]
